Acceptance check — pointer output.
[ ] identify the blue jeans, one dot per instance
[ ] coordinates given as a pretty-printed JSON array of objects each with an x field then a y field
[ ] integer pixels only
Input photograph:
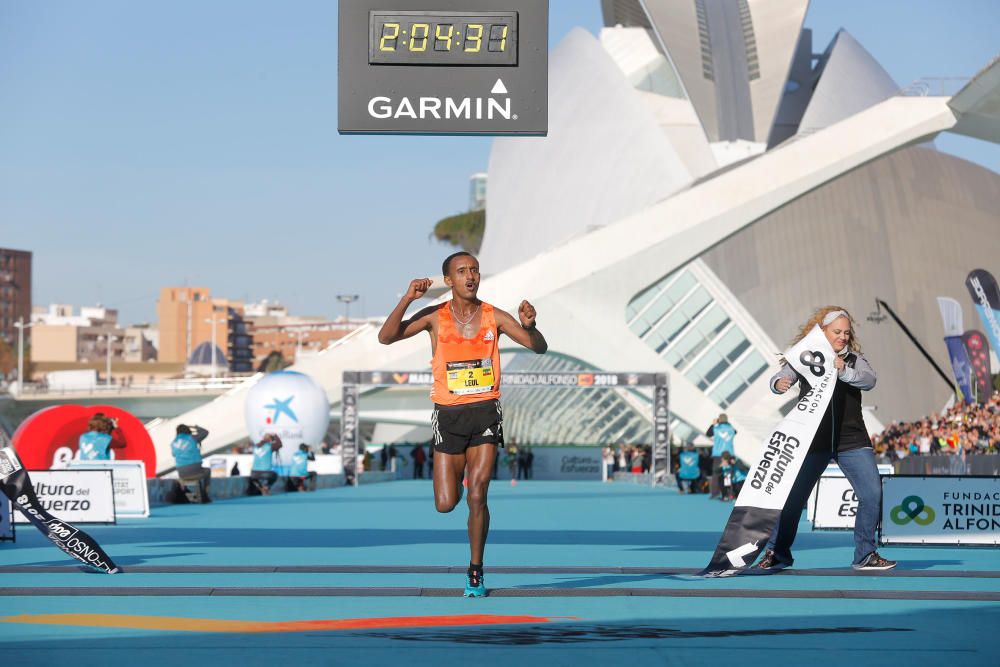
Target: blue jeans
[{"x": 860, "y": 469}]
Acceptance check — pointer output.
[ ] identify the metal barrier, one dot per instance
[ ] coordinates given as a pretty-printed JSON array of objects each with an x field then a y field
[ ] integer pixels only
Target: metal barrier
[{"x": 971, "y": 464}]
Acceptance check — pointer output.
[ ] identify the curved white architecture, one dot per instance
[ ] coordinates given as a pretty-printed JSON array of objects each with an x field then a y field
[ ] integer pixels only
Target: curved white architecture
[{"x": 648, "y": 244}]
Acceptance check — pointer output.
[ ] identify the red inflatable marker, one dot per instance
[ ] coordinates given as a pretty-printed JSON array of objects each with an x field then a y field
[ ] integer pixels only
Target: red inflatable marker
[{"x": 51, "y": 436}]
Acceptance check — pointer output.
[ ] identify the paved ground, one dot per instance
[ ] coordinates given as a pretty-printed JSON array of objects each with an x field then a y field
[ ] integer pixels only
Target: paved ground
[{"x": 581, "y": 573}]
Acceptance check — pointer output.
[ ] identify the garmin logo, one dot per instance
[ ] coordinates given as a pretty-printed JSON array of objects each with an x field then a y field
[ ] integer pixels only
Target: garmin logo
[{"x": 466, "y": 108}]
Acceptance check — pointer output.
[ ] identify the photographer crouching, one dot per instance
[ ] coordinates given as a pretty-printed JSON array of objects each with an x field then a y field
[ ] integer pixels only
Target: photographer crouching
[
  {"x": 186, "y": 448},
  {"x": 262, "y": 475}
]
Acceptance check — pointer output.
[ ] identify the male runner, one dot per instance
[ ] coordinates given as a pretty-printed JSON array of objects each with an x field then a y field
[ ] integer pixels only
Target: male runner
[{"x": 467, "y": 421}]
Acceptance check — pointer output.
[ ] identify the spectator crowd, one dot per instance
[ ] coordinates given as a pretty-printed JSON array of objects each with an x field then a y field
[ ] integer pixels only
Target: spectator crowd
[{"x": 965, "y": 428}]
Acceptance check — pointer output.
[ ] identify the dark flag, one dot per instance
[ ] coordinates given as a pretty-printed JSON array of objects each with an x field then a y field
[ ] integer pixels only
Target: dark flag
[
  {"x": 961, "y": 367},
  {"x": 16, "y": 485},
  {"x": 978, "y": 349},
  {"x": 986, "y": 296},
  {"x": 770, "y": 479}
]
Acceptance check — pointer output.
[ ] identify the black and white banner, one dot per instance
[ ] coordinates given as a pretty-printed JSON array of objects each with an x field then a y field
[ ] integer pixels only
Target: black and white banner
[
  {"x": 16, "y": 485},
  {"x": 770, "y": 479}
]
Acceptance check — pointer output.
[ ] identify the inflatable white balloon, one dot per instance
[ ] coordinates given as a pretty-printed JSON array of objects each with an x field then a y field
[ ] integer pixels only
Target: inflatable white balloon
[{"x": 292, "y": 405}]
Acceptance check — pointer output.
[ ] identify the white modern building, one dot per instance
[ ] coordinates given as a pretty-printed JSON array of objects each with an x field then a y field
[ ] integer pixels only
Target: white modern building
[{"x": 707, "y": 181}]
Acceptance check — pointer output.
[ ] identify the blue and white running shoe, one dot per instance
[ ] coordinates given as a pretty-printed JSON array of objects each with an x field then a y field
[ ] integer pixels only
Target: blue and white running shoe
[{"x": 475, "y": 584}]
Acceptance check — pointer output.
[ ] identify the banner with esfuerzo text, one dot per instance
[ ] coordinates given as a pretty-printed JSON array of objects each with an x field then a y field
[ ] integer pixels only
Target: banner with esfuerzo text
[
  {"x": 770, "y": 480},
  {"x": 75, "y": 496},
  {"x": 833, "y": 505},
  {"x": 945, "y": 509}
]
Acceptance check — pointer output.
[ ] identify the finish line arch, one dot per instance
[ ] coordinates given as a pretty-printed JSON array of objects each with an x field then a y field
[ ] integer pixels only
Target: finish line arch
[{"x": 354, "y": 381}]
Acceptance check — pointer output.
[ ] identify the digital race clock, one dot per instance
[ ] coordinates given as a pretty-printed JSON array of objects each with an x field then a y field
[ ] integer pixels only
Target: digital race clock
[
  {"x": 442, "y": 38},
  {"x": 443, "y": 67}
]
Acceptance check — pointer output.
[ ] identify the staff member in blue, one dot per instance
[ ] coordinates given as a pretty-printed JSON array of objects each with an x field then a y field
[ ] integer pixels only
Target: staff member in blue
[
  {"x": 722, "y": 434},
  {"x": 688, "y": 472},
  {"x": 101, "y": 437},
  {"x": 300, "y": 475},
  {"x": 186, "y": 448},
  {"x": 262, "y": 472}
]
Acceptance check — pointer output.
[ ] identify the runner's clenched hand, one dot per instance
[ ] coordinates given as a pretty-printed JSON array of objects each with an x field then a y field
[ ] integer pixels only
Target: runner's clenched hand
[
  {"x": 526, "y": 313},
  {"x": 418, "y": 287}
]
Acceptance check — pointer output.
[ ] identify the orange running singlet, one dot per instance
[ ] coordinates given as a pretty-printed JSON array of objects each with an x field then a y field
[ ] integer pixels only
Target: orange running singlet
[{"x": 466, "y": 370}]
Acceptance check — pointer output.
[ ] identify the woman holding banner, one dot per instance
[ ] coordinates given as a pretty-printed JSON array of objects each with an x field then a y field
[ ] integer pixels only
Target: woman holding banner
[{"x": 842, "y": 437}]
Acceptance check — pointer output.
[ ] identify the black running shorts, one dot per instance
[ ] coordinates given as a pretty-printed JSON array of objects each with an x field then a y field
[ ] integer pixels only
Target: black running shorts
[{"x": 458, "y": 427}]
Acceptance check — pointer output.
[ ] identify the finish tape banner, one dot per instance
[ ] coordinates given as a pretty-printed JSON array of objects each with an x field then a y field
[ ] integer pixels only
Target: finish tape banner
[
  {"x": 16, "y": 485},
  {"x": 943, "y": 509},
  {"x": 766, "y": 489}
]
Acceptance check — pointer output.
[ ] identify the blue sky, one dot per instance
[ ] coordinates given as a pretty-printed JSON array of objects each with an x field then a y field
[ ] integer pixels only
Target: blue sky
[{"x": 147, "y": 144}]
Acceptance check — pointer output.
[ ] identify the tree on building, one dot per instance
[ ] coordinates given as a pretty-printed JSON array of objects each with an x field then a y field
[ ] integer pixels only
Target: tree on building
[{"x": 464, "y": 230}]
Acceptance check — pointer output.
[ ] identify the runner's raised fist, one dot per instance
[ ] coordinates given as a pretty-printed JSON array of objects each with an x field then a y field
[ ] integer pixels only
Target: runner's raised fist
[
  {"x": 418, "y": 287},
  {"x": 526, "y": 313}
]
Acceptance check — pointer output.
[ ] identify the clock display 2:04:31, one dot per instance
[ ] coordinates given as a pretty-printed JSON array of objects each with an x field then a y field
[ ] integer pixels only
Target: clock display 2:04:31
[{"x": 439, "y": 39}]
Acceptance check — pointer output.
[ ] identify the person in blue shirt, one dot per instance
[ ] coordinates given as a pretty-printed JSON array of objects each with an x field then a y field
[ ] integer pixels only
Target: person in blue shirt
[
  {"x": 722, "y": 434},
  {"x": 262, "y": 474},
  {"x": 101, "y": 437},
  {"x": 300, "y": 475},
  {"x": 688, "y": 471},
  {"x": 186, "y": 448}
]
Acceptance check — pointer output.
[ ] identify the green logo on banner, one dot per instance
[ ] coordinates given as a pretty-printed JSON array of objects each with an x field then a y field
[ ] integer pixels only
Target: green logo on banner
[{"x": 912, "y": 509}]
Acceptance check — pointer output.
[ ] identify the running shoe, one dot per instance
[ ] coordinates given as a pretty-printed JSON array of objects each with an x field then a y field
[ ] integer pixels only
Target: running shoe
[
  {"x": 875, "y": 563},
  {"x": 475, "y": 584},
  {"x": 770, "y": 562}
]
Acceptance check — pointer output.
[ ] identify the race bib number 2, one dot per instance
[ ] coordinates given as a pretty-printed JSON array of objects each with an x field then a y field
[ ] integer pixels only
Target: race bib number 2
[{"x": 470, "y": 377}]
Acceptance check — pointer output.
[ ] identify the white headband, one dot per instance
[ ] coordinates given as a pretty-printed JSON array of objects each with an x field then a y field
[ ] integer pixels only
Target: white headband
[{"x": 834, "y": 314}]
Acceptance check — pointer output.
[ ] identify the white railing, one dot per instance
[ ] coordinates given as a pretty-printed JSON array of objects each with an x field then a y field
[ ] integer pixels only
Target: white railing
[{"x": 179, "y": 386}]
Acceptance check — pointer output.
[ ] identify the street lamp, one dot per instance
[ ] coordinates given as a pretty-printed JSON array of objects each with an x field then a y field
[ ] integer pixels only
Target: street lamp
[
  {"x": 299, "y": 335},
  {"x": 110, "y": 342},
  {"x": 347, "y": 300},
  {"x": 21, "y": 326},
  {"x": 213, "y": 321}
]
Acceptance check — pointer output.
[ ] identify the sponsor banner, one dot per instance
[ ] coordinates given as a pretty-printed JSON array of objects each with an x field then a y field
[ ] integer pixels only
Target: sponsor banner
[
  {"x": 130, "y": 489},
  {"x": 940, "y": 510},
  {"x": 6, "y": 519},
  {"x": 832, "y": 504},
  {"x": 979, "y": 358},
  {"x": 771, "y": 477},
  {"x": 835, "y": 504},
  {"x": 985, "y": 295},
  {"x": 961, "y": 366},
  {"x": 570, "y": 463},
  {"x": 518, "y": 379},
  {"x": 77, "y": 496}
]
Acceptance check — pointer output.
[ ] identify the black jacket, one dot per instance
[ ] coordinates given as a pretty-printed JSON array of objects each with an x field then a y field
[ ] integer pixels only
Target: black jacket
[{"x": 843, "y": 427}]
